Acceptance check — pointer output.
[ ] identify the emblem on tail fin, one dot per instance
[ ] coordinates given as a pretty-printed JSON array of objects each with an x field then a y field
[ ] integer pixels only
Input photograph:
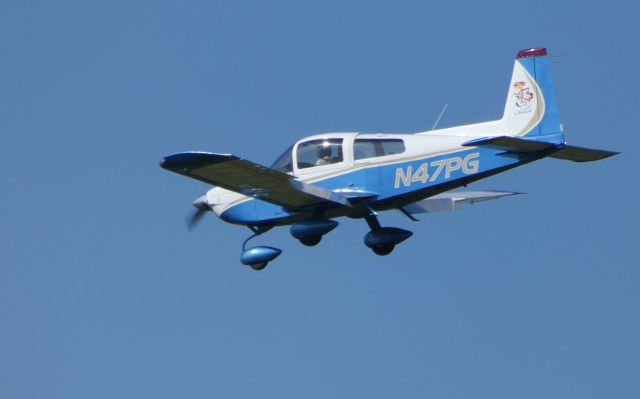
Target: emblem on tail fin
[{"x": 523, "y": 96}]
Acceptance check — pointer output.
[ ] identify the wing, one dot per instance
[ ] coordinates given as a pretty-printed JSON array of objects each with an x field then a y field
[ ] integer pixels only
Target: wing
[
  {"x": 250, "y": 179},
  {"x": 450, "y": 201}
]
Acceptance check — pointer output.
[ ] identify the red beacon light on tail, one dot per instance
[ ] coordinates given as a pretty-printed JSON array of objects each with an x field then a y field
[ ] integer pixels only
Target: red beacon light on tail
[{"x": 531, "y": 52}]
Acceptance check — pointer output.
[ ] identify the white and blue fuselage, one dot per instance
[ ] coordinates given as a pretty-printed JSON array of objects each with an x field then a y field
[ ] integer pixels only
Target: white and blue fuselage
[
  {"x": 330, "y": 175},
  {"x": 433, "y": 162}
]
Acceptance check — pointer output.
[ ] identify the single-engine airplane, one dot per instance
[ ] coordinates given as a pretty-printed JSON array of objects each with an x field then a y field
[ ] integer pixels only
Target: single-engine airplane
[{"x": 326, "y": 176}]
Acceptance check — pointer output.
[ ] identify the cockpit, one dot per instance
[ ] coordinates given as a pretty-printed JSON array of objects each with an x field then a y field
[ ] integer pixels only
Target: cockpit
[
  {"x": 336, "y": 150},
  {"x": 319, "y": 153}
]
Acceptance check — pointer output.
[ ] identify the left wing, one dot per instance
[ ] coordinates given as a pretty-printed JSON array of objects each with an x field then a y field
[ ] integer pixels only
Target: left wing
[{"x": 250, "y": 179}]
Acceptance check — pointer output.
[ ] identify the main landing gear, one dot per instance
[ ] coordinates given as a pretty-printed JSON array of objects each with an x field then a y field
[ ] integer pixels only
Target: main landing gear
[
  {"x": 382, "y": 240},
  {"x": 311, "y": 241},
  {"x": 310, "y": 231}
]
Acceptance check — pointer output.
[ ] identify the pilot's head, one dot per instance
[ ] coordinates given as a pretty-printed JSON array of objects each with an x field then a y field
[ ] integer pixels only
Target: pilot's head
[{"x": 324, "y": 150}]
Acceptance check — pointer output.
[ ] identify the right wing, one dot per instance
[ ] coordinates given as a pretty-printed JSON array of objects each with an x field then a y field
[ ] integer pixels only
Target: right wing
[
  {"x": 250, "y": 179},
  {"x": 450, "y": 201}
]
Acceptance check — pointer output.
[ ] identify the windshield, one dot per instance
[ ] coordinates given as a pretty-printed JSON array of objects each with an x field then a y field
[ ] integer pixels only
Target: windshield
[{"x": 284, "y": 163}]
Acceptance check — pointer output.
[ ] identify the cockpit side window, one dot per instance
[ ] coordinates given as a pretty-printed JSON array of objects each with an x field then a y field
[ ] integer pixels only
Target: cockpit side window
[
  {"x": 284, "y": 163},
  {"x": 319, "y": 152},
  {"x": 369, "y": 148}
]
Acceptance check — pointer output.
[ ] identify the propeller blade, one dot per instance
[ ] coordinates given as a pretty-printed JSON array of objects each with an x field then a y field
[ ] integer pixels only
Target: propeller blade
[
  {"x": 195, "y": 218},
  {"x": 202, "y": 207}
]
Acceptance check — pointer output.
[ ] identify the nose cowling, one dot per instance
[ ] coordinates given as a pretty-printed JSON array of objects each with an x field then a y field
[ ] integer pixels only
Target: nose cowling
[{"x": 201, "y": 203}]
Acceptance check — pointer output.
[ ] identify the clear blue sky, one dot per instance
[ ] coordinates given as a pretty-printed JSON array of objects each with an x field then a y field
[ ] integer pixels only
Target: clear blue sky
[{"x": 104, "y": 293}]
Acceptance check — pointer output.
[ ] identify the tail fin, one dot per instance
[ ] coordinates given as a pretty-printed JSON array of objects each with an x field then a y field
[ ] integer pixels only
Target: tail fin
[{"x": 532, "y": 108}]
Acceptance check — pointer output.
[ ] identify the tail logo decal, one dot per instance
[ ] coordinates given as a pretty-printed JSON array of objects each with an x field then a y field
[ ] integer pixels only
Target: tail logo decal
[{"x": 523, "y": 96}]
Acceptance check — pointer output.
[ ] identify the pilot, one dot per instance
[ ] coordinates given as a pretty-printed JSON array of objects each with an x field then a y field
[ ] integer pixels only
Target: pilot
[{"x": 324, "y": 155}]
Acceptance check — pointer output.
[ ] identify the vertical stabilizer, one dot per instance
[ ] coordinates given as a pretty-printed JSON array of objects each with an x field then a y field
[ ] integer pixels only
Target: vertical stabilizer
[{"x": 531, "y": 109}]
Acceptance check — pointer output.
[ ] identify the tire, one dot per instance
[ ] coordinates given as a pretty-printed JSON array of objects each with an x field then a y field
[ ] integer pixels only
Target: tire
[
  {"x": 383, "y": 249},
  {"x": 310, "y": 241},
  {"x": 259, "y": 265}
]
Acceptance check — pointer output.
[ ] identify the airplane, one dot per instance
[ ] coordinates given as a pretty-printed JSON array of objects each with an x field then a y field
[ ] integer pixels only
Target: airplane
[{"x": 327, "y": 176}]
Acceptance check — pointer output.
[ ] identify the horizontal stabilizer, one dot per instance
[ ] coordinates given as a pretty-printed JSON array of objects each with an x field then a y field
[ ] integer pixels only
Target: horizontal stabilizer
[
  {"x": 512, "y": 144},
  {"x": 581, "y": 154},
  {"x": 567, "y": 152},
  {"x": 450, "y": 201},
  {"x": 250, "y": 179}
]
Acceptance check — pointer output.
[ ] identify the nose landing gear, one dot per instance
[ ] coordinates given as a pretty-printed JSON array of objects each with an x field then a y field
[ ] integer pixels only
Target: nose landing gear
[
  {"x": 258, "y": 257},
  {"x": 259, "y": 265}
]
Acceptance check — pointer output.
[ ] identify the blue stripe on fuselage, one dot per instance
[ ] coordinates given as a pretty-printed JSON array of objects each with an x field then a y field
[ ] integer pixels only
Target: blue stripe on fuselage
[{"x": 389, "y": 180}]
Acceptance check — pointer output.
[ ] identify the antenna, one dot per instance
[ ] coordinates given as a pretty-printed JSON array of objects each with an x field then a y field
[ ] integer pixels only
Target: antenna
[{"x": 440, "y": 116}]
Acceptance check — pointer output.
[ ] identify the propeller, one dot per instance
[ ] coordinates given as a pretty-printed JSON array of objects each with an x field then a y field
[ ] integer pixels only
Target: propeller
[{"x": 202, "y": 207}]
